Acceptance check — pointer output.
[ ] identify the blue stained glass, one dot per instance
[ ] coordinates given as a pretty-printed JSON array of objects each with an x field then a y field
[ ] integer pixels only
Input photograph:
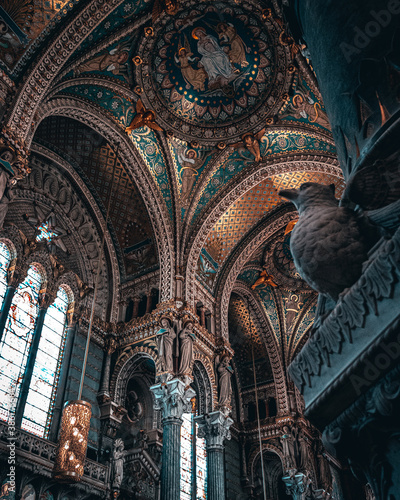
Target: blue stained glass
[
  {"x": 39, "y": 404},
  {"x": 45, "y": 232},
  {"x": 193, "y": 461},
  {"x": 5, "y": 259},
  {"x": 17, "y": 337}
]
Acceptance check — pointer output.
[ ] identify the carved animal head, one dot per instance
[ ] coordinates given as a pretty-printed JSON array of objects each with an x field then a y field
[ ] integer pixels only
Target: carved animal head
[{"x": 310, "y": 194}]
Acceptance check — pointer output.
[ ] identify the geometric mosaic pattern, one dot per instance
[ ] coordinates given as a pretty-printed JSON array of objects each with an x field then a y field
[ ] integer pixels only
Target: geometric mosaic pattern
[{"x": 253, "y": 205}]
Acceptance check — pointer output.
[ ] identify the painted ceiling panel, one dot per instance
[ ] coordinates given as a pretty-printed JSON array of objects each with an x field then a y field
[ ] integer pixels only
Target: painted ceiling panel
[
  {"x": 252, "y": 206},
  {"x": 274, "y": 142},
  {"x": 95, "y": 160}
]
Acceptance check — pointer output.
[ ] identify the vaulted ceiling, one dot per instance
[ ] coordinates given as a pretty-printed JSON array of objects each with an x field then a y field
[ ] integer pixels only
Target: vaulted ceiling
[{"x": 225, "y": 135}]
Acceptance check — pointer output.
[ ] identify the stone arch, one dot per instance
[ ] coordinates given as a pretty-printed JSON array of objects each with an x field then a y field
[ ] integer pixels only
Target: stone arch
[
  {"x": 125, "y": 367},
  {"x": 73, "y": 210},
  {"x": 271, "y": 345},
  {"x": 255, "y": 456},
  {"x": 205, "y": 383},
  {"x": 247, "y": 179},
  {"x": 95, "y": 118}
]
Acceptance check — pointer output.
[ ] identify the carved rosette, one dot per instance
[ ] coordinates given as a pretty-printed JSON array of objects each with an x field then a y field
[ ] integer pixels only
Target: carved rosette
[
  {"x": 173, "y": 398},
  {"x": 215, "y": 428}
]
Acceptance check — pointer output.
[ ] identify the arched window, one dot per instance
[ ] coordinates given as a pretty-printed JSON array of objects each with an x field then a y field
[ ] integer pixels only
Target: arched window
[
  {"x": 5, "y": 259},
  {"x": 17, "y": 338},
  {"x": 193, "y": 460},
  {"x": 42, "y": 390}
]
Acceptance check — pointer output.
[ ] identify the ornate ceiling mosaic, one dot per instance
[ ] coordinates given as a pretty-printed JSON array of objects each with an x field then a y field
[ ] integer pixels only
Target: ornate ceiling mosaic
[
  {"x": 214, "y": 70},
  {"x": 253, "y": 205},
  {"x": 95, "y": 160}
]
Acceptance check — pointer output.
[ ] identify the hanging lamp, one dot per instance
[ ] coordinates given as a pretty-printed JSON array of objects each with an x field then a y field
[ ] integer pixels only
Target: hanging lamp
[{"x": 75, "y": 423}]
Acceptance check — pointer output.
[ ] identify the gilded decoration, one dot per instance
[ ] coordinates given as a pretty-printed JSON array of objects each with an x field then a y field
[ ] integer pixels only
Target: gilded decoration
[{"x": 214, "y": 71}]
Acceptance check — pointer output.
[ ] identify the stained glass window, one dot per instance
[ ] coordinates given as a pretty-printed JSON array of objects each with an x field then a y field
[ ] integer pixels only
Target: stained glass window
[
  {"x": 16, "y": 340},
  {"x": 193, "y": 461},
  {"x": 5, "y": 258},
  {"x": 45, "y": 233},
  {"x": 40, "y": 401}
]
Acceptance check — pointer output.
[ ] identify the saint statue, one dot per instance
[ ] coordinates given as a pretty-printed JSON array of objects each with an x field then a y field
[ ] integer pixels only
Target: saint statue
[
  {"x": 289, "y": 448},
  {"x": 118, "y": 463},
  {"x": 186, "y": 338},
  {"x": 167, "y": 336},
  {"x": 225, "y": 387}
]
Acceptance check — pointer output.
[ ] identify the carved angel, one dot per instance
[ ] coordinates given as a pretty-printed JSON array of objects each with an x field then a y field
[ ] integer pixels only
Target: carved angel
[
  {"x": 264, "y": 279},
  {"x": 167, "y": 335},
  {"x": 251, "y": 142},
  {"x": 143, "y": 117}
]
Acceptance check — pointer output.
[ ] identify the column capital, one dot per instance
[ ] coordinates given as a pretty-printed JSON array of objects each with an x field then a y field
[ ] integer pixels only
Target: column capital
[
  {"x": 297, "y": 484},
  {"x": 173, "y": 398},
  {"x": 215, "y": 428}
]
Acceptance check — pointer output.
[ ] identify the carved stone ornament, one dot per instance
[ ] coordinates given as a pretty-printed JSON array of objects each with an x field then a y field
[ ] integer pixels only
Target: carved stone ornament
[
  {"x": 215, "y": 428},
  {"x": 298, "y": 485},
  {"x": 173, "y": 398}
]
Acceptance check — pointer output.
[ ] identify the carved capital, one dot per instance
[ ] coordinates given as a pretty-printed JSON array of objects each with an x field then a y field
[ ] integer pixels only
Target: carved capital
[
  {"x": 298, "y": 485},
  {"x": 215, "y": 428},
  {"x": 173, "y": 398}
]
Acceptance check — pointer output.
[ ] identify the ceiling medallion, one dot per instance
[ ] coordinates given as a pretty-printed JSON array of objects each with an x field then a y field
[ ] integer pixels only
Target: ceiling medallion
[{"x": 214, "y": 71}]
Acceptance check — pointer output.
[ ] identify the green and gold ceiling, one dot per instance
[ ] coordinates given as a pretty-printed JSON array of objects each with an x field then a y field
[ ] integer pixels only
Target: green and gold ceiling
[{"x": 227, "y": 94}]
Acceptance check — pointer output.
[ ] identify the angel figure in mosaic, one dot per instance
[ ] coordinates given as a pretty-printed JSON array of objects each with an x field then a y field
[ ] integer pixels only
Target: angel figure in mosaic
[
  {"x": 113, "y": 61},
  {"x": 193, "y": 77},
  {"x": 305, "y": 107},
  {"x": 169, "y": 6},
  {"x": 293, "y": 306},
  {"x": 143, "y": 117},
  {"x": 251, "y": 142},
  {"x": 191, "y": 164},
  {"x": 237, "y": 49}
]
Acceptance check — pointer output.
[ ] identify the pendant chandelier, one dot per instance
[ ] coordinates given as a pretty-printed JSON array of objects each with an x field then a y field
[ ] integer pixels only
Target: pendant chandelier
[{"x": 75, "y": 422}]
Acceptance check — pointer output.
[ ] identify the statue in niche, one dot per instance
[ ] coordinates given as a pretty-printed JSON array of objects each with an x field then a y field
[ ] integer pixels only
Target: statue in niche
[
  {"x": 186, "y": 340},
  {"x": 118, "y": 463},
  {"x": 224, "y": 375},
  {"x": 288, "y": 441},
  {"x": 167, "y": 336},
  {"x": 7, "y": 182},
  {"x": 303, "y": 451},
  {"x": 134, "y": 407}
]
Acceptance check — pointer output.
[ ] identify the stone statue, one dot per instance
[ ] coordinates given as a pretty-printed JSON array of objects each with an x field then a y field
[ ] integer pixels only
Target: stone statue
[
  {"x": 186, "y": 338},
  {"x": 303, "y": 450},
  {"x": 167, "y": 336},
  {"x": 289, "y": 448},
  {"x": 329, "y": 243},
  {"x": 225, "y": 387},
  {"x": 7, "y": 182},
  {"x": 118, "y": 463},
  {"x": 134, "y": 406}
]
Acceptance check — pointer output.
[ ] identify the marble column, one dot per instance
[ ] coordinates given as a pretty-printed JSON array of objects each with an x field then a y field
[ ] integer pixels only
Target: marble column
[
  {"x": 135, "y": 312},
  {"x": 173, "y": 399},
  {"x": 110, "y": 346},
  {"x": 215, "y": 428}
]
